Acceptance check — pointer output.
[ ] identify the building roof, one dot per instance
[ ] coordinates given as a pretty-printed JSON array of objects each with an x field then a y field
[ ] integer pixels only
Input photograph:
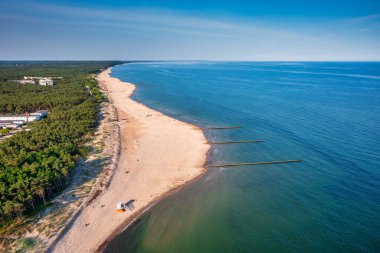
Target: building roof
[
  {"x": 39, "y": 112},
  {"x": 8, "y": 122},
  {"x": 12, "y": 115}
]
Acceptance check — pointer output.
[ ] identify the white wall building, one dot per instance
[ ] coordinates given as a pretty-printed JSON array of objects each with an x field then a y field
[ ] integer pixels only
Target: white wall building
[
  {"x": 23, "y": 81},
  {"x": 24, "y": 118},
  {"x": 41, "y": 80},
  {"x": 39, "y": 114},
  {"x": 45, "y": 82},
  {"x": 32, "y": 77},
  {"x": 11, "y": 124},
  {"x": 42, "y": 77}
]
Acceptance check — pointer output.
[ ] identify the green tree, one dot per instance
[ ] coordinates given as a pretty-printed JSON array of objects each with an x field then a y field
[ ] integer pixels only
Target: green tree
[{"x": 4, "y": 131}]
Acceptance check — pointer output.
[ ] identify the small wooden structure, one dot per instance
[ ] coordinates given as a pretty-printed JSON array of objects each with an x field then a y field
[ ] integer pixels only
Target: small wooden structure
[
  {"x": 221, "y": 128},
  {"x": 234, "y": 142},
  {"x": 250, "y": 164}
]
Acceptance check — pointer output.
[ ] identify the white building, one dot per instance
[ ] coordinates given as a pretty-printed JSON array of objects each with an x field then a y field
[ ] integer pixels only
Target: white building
[
  {"x": 38, "y": 114},
  {"x": 23, "y": 81},
  {"x": 11, "y": 124},
  {"x": 42, "y": 77},
  {"x": 45, "y": 82},
  {"x": 31, "y": 77},
  {"x": 24, "y": 118}
]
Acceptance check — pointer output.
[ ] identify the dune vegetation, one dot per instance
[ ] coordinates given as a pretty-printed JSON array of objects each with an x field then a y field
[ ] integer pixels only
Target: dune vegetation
[{"x": 35, "y": 163}]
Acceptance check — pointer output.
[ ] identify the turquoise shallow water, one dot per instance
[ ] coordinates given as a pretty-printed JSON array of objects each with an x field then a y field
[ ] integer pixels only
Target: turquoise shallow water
[{"x": 327, "y": 114}]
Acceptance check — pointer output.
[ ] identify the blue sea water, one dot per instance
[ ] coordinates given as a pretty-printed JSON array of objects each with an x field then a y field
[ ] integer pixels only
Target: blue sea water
[{"x": 327, "y": 114}]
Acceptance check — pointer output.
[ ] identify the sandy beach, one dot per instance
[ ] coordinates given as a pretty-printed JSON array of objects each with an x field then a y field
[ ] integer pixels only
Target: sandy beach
[{"x": 157, "y": 154}]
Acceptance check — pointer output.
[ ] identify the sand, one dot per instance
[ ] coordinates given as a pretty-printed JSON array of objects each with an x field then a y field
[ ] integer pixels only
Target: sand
[{"x": 157, "y": 154}]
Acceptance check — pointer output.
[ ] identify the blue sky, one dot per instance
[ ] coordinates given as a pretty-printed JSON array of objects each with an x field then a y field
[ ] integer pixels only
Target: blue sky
[{"x": 186, "y": 30}]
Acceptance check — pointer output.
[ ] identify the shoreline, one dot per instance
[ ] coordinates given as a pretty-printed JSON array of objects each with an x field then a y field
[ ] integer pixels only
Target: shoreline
[
  {"x": 158, "y": 156},
  {"x": 130, "y": 221}
]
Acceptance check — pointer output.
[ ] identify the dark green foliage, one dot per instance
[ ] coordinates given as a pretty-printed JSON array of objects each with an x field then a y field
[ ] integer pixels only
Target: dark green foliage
[
  {"x": 36, "y": 164},
  {"x": 4, "y": 131},
  {"x": 25, "y": 244}
]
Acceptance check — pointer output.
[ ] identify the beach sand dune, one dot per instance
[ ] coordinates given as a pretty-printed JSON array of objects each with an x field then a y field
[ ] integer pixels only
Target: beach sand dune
[{"x": 158, "y": 154}]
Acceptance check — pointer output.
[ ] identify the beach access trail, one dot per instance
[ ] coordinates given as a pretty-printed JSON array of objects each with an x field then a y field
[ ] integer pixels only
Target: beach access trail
[{"x": 157, "y": 154}]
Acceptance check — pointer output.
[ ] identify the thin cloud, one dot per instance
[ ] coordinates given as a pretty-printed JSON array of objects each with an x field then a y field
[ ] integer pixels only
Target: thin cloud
[
  {"x": 146, "y": 33},
  {"x": 365, "y": 19},
  {"x": 154, "y": 20}
]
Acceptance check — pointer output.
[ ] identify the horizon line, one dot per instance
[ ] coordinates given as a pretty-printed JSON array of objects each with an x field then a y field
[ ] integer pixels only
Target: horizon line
[{"x": 148, "y": 60}]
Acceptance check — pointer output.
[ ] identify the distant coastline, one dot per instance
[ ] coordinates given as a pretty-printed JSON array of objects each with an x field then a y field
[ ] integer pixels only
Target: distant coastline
[{"x": 153, "y": 163}]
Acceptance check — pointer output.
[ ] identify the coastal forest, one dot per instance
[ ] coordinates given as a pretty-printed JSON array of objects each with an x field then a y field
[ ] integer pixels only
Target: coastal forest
[{"x": 35, "y": 163}]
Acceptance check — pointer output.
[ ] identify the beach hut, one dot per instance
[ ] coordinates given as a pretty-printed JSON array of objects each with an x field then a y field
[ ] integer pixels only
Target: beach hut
[{"x": 120, "y": 207}]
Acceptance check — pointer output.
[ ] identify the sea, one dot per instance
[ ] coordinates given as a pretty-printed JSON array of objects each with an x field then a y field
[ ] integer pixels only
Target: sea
[{"x": 326, "y": 114}]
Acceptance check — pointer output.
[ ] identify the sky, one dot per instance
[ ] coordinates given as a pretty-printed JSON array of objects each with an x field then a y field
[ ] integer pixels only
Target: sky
[{"x": 267, "y": 30}]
